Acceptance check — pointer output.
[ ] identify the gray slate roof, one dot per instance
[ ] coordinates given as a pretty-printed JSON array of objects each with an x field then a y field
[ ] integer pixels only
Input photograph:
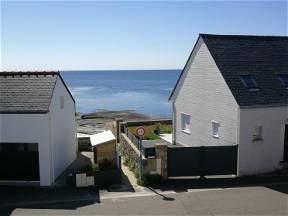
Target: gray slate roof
[
  {"x": 261, "y": 56},
  {"x": 26, "y": 92}
]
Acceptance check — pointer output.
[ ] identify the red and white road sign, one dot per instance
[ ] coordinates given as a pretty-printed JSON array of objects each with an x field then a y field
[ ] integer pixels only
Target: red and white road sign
[{"x": 140, "y": 131}]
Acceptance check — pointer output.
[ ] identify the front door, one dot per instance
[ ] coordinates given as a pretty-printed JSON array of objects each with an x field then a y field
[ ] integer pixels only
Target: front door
[{"x": 286, "y": 143}]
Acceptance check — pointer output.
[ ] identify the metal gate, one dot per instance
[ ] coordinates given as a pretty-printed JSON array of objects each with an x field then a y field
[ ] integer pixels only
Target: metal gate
[{"x": 201, "y": 161}]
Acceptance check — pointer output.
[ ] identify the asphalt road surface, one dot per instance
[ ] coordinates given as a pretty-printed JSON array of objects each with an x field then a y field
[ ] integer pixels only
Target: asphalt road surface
[{"x": 271, "y": 200}]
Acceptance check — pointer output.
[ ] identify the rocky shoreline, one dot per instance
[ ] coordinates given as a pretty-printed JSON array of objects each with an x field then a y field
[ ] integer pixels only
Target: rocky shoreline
[{"x": 91, "y": 123}]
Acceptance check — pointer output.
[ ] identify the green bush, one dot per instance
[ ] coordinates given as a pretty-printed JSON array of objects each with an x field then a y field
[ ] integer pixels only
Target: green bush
[
  {"x": 95, "y": 167},
  {"x": 91, "y": 167},
  {"x": 150, "y": 179},
  {"x": 140, "y": 182},
  {"x": 126, "y": 161},
  {"x": 101, "y": 166},
  {"x": 136, "y": 173},
  {"x": 106, "y": 164}
]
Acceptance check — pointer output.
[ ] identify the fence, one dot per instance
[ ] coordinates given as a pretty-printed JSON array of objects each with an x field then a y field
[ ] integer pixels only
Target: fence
[
  {"x": 202, "y": 161},
  {"x": 132, "y": 137},
  {"x": 147, "y": 152}
]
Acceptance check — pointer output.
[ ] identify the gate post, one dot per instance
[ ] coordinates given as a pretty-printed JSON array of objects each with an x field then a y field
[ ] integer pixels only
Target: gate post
[{"x": 161, "y": 159}]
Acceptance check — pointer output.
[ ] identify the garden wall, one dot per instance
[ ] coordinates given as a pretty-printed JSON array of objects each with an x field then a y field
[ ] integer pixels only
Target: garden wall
[{"x": 155, "y": 165}]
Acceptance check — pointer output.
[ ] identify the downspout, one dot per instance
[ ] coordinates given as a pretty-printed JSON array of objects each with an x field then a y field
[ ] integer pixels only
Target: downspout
[
  {"x": 238, "y": 139},
  {"x": 51, "y": 150},
  {"x": 75, "y": 130},
  {"x": 174, "y": 124}
]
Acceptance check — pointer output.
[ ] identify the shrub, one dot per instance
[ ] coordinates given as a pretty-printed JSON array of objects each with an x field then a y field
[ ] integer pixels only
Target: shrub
[
  {"x": 106, "y": 164},
  {"x": 150, "y": 179},
  {"x": 136, "y": 173},
  {"x": 126, "y": 161},
  {"x": 91, "y": 167},
  {"x": 95, "y": 167},
  {"x": 140, "y": 182}
]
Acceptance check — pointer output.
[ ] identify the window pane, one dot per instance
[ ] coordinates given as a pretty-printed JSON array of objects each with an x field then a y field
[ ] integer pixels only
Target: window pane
[
  {"x": 185, "y": 122},
  {"x": 248, "y": 81},
  {"x": 284, "y": 79},
  {"x": 215, "y": 128}
]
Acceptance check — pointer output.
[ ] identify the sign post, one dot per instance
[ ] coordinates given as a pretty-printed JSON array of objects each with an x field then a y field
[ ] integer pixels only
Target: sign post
[{"x": 140, "y": 131}]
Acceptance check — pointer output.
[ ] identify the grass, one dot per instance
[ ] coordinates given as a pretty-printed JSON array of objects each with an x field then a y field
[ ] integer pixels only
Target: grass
[{"x": 149, "y": 131}]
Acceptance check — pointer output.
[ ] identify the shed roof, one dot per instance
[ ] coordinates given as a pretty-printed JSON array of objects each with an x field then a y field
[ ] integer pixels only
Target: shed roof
[
  {"x": 27, "y": 92},
  {"x": 101, "y": 138}
]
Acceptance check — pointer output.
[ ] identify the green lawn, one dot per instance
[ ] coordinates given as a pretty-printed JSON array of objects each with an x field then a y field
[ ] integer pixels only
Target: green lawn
[{"x": 149, "y": 130}]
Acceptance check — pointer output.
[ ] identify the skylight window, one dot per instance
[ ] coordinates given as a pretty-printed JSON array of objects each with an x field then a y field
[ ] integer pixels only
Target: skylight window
[
  {"x": 249, "y": 81},
  {"x": 284, "y": 79}
]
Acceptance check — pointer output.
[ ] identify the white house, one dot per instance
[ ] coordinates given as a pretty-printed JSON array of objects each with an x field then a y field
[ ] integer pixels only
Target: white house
[
  {"x": 233, "y": 90},
  {"x": 37, "y": 127}
]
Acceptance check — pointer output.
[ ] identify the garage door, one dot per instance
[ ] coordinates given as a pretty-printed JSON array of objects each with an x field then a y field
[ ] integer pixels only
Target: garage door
[{"x": 19, "y": 161}]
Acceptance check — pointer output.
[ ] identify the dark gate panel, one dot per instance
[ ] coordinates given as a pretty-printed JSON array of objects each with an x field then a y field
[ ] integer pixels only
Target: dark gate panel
[
  {"x": 19, "y": 161},
  {"x": 183, "y": 161},
  {"x": 201, "y": 161},
  {"x": 220, "y": 160}
]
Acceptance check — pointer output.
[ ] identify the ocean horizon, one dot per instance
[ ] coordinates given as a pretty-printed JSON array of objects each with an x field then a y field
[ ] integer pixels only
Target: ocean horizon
[{"x": 142, "y": 91}]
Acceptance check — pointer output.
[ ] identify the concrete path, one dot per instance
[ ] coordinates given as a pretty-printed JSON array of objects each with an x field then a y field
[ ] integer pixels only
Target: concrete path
[{"x": 129, "y": 177}]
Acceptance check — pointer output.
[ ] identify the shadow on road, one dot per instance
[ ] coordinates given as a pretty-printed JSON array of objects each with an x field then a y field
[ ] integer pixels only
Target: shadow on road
[
  {"x": 166, "y": 198},
  {"x": 45, "y": 198},
  {"x": 282, "y": 188},
  {"x": 183, "y": 185}
]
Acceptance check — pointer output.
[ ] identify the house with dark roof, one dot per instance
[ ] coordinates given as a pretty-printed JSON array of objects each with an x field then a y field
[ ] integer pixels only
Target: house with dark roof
[
  {"x": 233, "y": 90},
  {"x": 37, "y": 127}
]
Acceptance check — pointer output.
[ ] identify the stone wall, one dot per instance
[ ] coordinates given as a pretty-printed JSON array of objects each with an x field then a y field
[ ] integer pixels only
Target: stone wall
[
  {"x": 161, "y": 160},
  {"x": 157, "y": 165},
  {"x": 128, "y": 149}
]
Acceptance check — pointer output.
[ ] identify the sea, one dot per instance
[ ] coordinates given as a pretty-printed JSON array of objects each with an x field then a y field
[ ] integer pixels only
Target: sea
[{"x": 142, "y": 91}]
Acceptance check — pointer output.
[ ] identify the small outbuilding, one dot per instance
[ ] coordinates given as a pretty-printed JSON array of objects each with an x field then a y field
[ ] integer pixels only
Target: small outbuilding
[{"x": 104, "y": 146}]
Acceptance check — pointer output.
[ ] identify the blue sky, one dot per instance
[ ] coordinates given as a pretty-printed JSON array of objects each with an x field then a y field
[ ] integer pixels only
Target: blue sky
[{"x": 74, "y": 35}]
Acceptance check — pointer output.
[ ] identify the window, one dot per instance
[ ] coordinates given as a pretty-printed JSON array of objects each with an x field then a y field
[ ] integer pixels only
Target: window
[
  {"x": 249, "y": 81},
  {"x": 215, "y": 129},
  {"x": 62, "y": 102},
  {"x": 185, "y": 122},
  {"x": 284, "y": 79},
  {"x": 257, "y": 133}
]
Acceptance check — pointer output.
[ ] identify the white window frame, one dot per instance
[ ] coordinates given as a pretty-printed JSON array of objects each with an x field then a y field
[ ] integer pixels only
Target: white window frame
[
  {"x": 184, "y": 127},
  {"x": 257, "y": 133},
  {"x": 215, "y": 128}
]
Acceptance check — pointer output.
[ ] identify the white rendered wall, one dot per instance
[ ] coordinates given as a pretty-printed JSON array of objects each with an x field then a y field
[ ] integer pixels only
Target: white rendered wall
[
  {"x": 29, "y": 128},
  {"x": 203, "y": 93},
  {"x": 63, "y": 127},
  {"x": 261, "y": 156}
]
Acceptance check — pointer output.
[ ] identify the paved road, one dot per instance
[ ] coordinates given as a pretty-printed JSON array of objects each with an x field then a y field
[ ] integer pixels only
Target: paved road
[{"x": 270, "y": 200}]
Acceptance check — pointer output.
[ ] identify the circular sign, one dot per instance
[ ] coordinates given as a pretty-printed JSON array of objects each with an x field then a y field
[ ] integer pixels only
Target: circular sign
[{"x": 140, "y": 131}]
